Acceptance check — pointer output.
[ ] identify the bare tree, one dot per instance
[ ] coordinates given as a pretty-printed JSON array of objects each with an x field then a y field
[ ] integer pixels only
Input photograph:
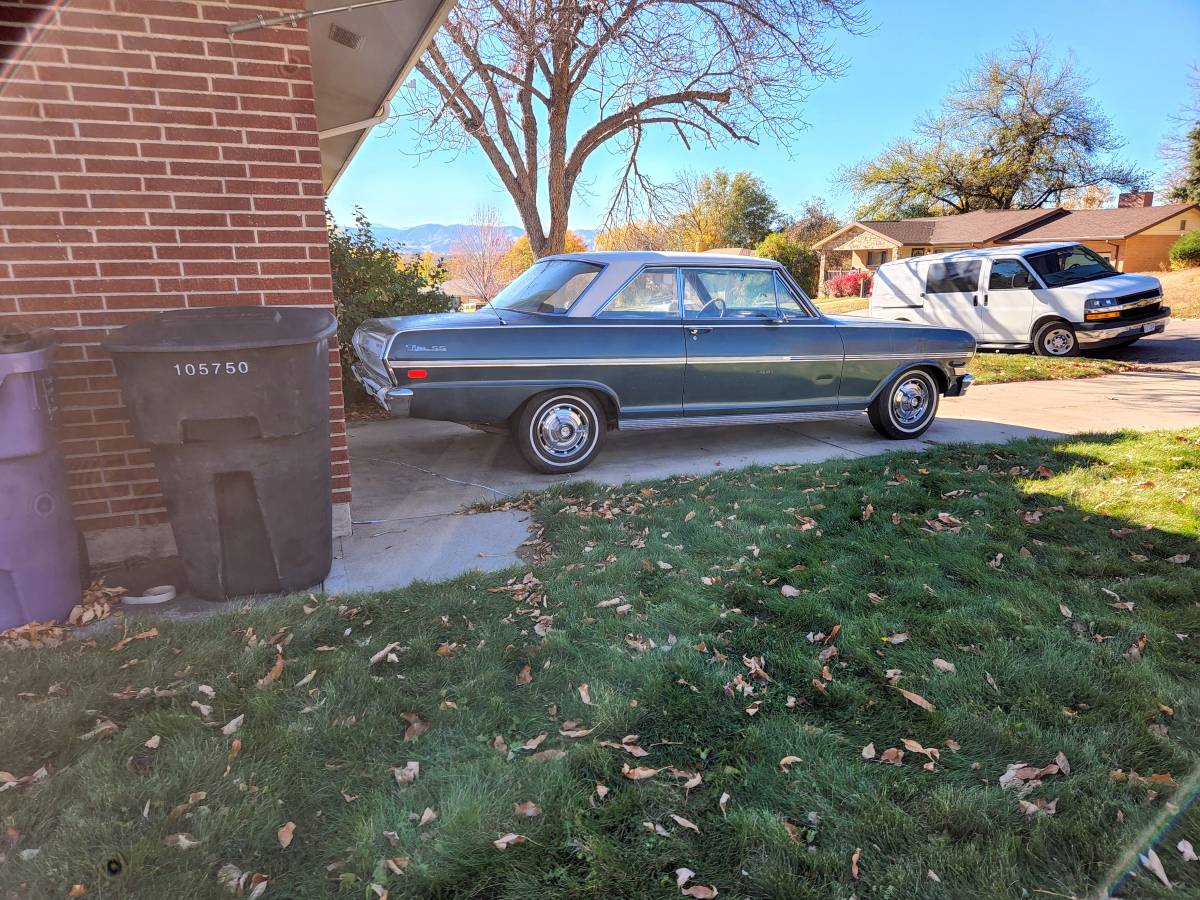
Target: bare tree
[
  {"x": 1180, "y": 149},
  {"x": 478, "y": 251},
  {"x": 518, "y": 77}
]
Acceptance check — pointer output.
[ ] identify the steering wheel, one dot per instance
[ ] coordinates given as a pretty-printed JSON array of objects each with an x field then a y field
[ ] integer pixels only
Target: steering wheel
[{"x": 717, "y": 304}]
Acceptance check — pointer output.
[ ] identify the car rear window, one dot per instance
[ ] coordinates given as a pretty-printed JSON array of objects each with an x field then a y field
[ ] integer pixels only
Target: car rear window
[
  {"x": 953, "y": 276},
  {"x": 548, "y": 287}
]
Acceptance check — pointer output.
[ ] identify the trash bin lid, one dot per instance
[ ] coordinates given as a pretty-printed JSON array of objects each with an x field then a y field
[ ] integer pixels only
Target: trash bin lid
[{"x": 223, "y": 328}]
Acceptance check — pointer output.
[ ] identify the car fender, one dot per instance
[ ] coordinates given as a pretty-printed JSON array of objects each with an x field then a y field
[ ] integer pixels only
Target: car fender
[
  {"x": 494, "y": 401},
  {"x": 944, "y": 373}
]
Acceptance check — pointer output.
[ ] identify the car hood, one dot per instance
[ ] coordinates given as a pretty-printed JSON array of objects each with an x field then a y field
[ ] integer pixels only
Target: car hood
[{"x": 1112, "y": 286}]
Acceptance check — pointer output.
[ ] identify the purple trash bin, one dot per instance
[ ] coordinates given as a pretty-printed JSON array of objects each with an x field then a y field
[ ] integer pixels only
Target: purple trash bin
[{"x": 39, "y": 552}]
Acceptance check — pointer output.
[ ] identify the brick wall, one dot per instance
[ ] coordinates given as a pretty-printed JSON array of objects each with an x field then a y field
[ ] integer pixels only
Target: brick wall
[{"x": 148, "y": 161}]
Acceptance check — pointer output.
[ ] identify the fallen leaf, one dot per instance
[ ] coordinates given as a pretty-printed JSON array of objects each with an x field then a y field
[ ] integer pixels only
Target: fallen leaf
[
  {"x": 854, "y": 857},
  {"x": 1179, "y": 558},
  {"x": 1186, "y": 851},
  {"x": 868, "y": 752},
  {"x": 893, "y": 756},
  {"x": 408, "y": 774},
  {"x": 1150, "y": 860},
  {"x": 546, "y": 755},
  {"x": 416, "y": 726},
  {"x": 525, "y": 675},
  {"x": 1136, "y": 649},
  {"x": 273, "y": 674},
  {"x": 789, "y": 761},
  {"x": 528, "y": 809},
  {"x": 601, "y": 790},
  {"x": 898, "y": 638},
  {"x": 232, "y": 725},
  {"x": 1038, "y": 807},
  {"x": 943, "y": 666},
  {"x": 700, "y": 892},
  {"x": 534, "y": 742},
  {"x": 867, "y": 512},
  {"x": 1065, "y": 610},
  {"x": 638, "y": 773},
  {"x": 499, "y": 745},
  {"x": 306, "y": 679},
  {"x": 685, "y": 823},
  {"x": 426, "y": 817},
  {"x": 585, "y": 694},
  {"x": 788, "y": 591},
  {"x": 181, "y": 841},
  {"x": 917, "y": 699},
  {"x": 683, "y": 876},
  {"x": 77, "y": 890},
  {"x": 285, "y": 834},
  {"x": 725, "y": 799},
  {"x": 153, "y": 743},
  {"x": 507, "y": 840},
  {"x": 394, "y": 645}
]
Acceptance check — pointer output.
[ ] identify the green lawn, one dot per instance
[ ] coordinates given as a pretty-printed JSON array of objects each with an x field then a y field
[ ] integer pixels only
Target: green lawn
[
  {"x": 721, "y": 624},
  {"x": 998, "y": 368}
]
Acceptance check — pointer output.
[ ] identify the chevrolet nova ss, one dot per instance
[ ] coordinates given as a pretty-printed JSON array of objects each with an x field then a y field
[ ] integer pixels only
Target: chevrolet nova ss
[{"x": 584, "y": 343}]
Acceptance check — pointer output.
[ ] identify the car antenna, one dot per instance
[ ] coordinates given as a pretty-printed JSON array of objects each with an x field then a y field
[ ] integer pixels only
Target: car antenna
[{"x": 496, "y": 311}]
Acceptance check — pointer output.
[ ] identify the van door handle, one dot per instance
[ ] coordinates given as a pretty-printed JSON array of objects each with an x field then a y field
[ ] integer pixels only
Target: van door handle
[{"x": 974, "y": 299}]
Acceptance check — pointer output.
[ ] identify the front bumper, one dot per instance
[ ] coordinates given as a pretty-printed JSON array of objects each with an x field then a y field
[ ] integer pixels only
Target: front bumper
[
  {"x": 960, "y": 385},
  {"x": 395, "y": 400},
  {"x": 1095, "y": 332}
]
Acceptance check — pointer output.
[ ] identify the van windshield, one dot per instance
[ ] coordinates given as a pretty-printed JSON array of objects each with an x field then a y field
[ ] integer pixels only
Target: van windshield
[
  {"x": 1070, "y": 265},
  {"x": 550, "y": 286}
]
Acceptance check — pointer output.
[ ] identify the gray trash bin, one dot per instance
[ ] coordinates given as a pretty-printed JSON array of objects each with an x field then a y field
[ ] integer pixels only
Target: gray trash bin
[
  {"x": 234, "y": 403},
  {"x": 39, "y": 557}
]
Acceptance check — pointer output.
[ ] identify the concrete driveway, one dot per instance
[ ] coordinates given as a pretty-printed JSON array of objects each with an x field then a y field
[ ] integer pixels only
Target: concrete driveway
[{"x": 411, "y": 476}]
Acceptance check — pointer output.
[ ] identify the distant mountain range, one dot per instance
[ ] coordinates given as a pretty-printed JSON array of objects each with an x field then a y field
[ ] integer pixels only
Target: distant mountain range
[{"x": 440, "y": 239}]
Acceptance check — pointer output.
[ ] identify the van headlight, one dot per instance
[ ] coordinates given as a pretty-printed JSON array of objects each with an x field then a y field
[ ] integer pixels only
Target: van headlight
[
  {"x": 1097, "y": 308},
  {"x": 1100, "y": 302}
]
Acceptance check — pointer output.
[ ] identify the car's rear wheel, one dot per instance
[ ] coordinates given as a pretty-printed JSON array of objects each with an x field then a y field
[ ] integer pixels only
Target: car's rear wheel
[
  {"x": 1056, "y": 338},
  {"x": 560, "y": 431},
  {"x": 907, "y": 406}
]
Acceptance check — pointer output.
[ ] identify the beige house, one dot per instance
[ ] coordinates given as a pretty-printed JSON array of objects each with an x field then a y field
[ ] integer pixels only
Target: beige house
[{"x": 1134, "y": 237}]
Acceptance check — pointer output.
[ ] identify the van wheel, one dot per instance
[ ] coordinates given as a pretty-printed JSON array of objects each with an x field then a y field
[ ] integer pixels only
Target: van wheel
[
  {"x": 1056, "y": 338},
  {"x": 560, "y": 431},
  {"x": 906, "y": 407}
]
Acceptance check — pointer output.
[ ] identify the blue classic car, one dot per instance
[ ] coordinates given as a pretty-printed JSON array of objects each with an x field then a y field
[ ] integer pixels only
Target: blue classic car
[{"x": 587, "y": 342}]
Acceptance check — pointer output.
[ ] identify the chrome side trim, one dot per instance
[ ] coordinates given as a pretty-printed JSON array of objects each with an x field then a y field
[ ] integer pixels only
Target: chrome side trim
[
  {"x": 736, "y": 419},
  {"x": 654, "y": 360}
]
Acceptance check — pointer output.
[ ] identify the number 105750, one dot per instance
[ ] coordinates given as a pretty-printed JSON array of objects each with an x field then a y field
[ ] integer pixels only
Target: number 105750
[{"x": 212, "y": 368}]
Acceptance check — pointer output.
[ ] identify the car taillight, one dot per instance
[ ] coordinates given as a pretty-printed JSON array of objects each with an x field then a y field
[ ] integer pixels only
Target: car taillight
[{"x": 416, "y": 374}]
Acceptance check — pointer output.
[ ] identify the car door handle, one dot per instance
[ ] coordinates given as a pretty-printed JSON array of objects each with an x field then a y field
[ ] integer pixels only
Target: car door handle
[{"x": 695, "y": 331}]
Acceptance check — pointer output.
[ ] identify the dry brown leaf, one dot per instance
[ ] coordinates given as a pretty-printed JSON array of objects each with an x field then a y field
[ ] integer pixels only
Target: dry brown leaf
[
  {"x": 233, "y": 725},
  {"x": 547, "y": 755},
  {"x": 528, "y": 809},
  {"x": 394, "y": 645},
  {"x": 507, "y": 840},
  {"x": 917, "y": 699},
  {"x": 273, "y": 674},
  {"x": 181, "y": 841},
  {"x": 153, "y": 743},
  {"x": 854, "y": 857},
  {"x": 1065, "y": 610},
  {"x": 1136, "y": 650},
  {"x": 944, "y": 666},
  {"x": 898, "y": 638},
  {"x": 427, "y": 816},
  {"x": 893, "y": 756},
  {"x": 525, "y": 676},
  {"x": 721, "y": 803},
  {"x": 499, "y": 745},
  {"x": 408, "y": 774},
  {"x": 601, "y": 790},
  {"x": 285, "y": 834},
  {"x": 1150, "y": 860},
  {"x": 868, "y": 752},
  {"x": 685, "y": 823},
  {"x": 534, "y": 742},
  {"x": 789, "y": 761},
  {"x": 638, "y": 773},
  {"x": 1187, "y": 851},
  {"x": 417, "y": 726},
  {"x": 788, "y": 591},
  {"x": 585, "y": 694}
]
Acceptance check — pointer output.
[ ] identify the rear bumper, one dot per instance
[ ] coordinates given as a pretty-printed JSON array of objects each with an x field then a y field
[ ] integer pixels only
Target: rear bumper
[
  {"x": 960, "y": 385},
  {"x": 1094, "y": 332},
  {"x": 395, "y": 400}
]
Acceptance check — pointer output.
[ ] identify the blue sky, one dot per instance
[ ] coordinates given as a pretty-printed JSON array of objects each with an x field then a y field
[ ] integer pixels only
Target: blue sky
[{"x": 1136, "y": 55}]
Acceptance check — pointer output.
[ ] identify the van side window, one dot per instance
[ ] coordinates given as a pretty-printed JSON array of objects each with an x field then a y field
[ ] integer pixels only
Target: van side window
[
  {"x": 1008, "y": 275},
  {"x": 953, "y": 276}
]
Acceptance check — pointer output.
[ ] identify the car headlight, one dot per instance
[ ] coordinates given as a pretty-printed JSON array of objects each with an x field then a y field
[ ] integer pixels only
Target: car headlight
[{"x": 1101, "y": 302}]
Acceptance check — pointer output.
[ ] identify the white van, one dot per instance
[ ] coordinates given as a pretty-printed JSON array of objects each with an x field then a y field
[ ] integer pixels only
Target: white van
[{"x": 1058, "y": 299}]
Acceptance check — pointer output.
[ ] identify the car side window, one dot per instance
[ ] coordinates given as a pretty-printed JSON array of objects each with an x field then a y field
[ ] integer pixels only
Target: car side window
[
  {"x": 1008, "y": 275},
  {"x": 652, "y": 294},
  {"x": 729, "y": 293},
  {"x": 953, "y": 276},
  {"x": 789, "y": 303}
]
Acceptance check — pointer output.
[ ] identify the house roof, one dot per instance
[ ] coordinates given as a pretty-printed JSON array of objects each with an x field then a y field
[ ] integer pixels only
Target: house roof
[
  {"x": 360, "y": 57},
  {"x": 977, "y": 227},
  {"x": 1100, "y": 224}
]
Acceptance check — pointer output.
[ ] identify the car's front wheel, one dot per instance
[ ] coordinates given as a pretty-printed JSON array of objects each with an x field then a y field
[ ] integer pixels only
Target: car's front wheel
[
  {"x": 560, "y": 431},
  {"x": 1056, "y": 338},
  {"x": 906, "y": 407}
]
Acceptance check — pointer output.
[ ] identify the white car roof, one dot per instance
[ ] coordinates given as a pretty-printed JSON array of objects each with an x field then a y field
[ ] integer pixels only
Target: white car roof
[{"x": 986, "y": 252}]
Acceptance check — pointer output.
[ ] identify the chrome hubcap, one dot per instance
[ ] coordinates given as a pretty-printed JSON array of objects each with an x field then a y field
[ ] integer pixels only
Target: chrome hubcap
[
  {"x": 562, "y": 430},
  {"x": 1058, "y": 341},
  {"x": 910, "y": 402}
]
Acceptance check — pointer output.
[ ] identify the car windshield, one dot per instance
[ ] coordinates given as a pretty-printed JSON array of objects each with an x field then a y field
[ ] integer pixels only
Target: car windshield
[
  {"x": 550, "y": 286},
  {"x": 1070, "y": 265}
]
